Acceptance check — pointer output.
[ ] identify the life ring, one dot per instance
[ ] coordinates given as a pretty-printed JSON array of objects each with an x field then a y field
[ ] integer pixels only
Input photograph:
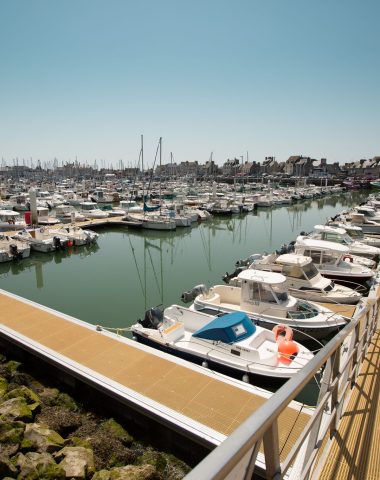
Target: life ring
[
  {"x": 348, "y": 257},
  {"x": 287, "y": 348},
  {"x": 281, "y": 329}
]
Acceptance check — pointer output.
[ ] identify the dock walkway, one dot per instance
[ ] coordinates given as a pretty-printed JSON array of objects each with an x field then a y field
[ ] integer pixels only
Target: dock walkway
[
  {"x": 354, "y": 451},
  {"x": 189, "y": 399}
]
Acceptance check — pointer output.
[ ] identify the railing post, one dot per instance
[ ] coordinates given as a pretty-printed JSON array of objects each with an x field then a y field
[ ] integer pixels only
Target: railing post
[
  {"x": 272, "y": 452},
  {"x": 356, "y": 356},
  {"x": 335, "y": 391}
]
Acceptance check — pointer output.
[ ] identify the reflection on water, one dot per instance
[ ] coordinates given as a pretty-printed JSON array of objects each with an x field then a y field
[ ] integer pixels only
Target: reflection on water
[
  {"x": 114, "y": 282},
  {"x": 129, "y": 271}
]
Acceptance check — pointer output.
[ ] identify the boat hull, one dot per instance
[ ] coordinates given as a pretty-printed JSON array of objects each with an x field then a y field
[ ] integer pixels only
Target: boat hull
[
  {"x": 212, "y": 365},
  {"x": 301, "y": 333}
]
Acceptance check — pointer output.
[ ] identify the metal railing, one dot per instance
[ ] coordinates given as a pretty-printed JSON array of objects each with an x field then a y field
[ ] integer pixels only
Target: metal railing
[{"x": 341, "y": 358}]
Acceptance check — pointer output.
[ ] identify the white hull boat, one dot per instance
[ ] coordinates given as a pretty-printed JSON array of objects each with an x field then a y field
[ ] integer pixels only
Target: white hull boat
[
  {"x": 231, "y": 343},
  {"x": 334, "y": 261},
  {"x": 264, "y": 297},
  {"x": 303, "y": 279},
  {"x": 11, "y": 249}
]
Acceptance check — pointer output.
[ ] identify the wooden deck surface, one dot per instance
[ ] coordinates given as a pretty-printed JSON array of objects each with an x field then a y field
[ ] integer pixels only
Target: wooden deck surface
[
  {"x": 211, "y": 402},
  {"x": 354, "y": 452}
]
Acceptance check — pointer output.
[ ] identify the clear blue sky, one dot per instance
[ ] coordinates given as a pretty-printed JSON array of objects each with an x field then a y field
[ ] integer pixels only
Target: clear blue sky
[{"x": 86, "y": 78}]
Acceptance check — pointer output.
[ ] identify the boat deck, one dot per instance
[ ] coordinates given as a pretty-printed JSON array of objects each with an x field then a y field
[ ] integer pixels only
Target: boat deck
[
  {"x": 197, "y": 400},
  {"x": 354, "y": 451}
]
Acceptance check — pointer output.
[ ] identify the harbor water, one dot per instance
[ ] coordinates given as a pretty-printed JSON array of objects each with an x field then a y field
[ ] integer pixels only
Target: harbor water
[{"x": 113, "y": 283}]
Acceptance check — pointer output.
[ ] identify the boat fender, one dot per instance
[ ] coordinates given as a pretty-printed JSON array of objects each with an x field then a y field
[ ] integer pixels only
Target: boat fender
[{"x": 348, "y": 258}]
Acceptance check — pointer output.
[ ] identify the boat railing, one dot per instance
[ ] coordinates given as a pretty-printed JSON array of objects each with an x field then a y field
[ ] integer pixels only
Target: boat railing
[{"x": 255, "y": 445}]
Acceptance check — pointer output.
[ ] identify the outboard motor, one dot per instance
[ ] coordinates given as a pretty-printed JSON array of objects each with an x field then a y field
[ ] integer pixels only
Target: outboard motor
[
  {"x": 153, "y": 318},
  {"x": 13, "y": 250},
  {"x": 228, "y": 276},
  {"x": 57, "y": 242},
  {"x": 189, "y": 296}
]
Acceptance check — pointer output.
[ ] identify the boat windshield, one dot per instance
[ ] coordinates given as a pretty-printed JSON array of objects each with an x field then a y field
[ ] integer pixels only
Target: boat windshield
[
  {"x": 267, "y": 293},
  {"x": 329, "y": 287},
  {"x": 330, "y": 258},
  {"x": 310, "y": 271},
  {"x": 280, "y": 292},
  {"x": 355, "y": 234},
  {"x": 337, "y": 238}
]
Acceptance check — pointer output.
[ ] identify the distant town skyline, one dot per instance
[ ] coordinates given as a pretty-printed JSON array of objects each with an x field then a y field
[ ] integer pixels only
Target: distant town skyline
[{"x": 85, "y": 79}]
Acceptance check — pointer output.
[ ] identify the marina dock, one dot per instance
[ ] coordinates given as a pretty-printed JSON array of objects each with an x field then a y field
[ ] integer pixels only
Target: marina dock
[{"x": 183, "y": 399}]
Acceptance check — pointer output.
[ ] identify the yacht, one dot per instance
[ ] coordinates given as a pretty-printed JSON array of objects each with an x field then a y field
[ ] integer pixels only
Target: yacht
[
  {"x": 91, "y": 210},
  {"x": 11, "y": 220},
  {"x": 340, "y": 235},
  {"x": 334, "y": 261},
  {"x": 68, "y": 213},
  {"x": 230, "y": 343},
  {"x": 264, "y": 297},
  {"x": 303, "y": 278},
  {"x": 356, "y": 233}
]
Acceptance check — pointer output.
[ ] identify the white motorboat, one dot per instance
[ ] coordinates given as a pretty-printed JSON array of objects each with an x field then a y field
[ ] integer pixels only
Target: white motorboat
[
  {"x": 264, "y": 297},
  {"x": 230, "y": 343},
  {"x": 340, "y": 235},
  {"x": 11, "y": 249},
  {"x": 76, "y": 235},
  {"x": 152, "y": 221},
  {"x": 11, "y": 220},
  {"x": 356, "y": 233},
  {"x": 131, "y": 206},
  {"x": 334, "y": 261},
  {"x": 364, "y": 221},
  {"x": 91, "y": 210},
  {"x": 68, "y": 213},
  {"x": 41, "y": 240},
  {"x": 303, "y": 278},
  {"x": 43, "y": 217}
]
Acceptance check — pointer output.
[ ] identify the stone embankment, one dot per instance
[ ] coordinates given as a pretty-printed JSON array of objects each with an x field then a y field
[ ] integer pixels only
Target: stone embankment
[{"x": 45, "y": 434}]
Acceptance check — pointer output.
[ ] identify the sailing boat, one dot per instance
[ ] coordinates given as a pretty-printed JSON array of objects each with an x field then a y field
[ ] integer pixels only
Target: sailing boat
[{"x": 149, "y": 218}]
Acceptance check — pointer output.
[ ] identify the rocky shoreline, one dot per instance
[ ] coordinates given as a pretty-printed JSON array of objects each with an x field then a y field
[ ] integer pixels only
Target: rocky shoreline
[{"x": 46, "y": 434}]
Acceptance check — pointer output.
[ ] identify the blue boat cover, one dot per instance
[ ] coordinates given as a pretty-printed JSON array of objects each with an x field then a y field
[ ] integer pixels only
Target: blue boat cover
[{"x": 230, "y": 328}]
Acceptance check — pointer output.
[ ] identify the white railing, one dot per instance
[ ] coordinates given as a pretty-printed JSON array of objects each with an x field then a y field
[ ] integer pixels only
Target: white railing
[{"x": 341, "y": 358}]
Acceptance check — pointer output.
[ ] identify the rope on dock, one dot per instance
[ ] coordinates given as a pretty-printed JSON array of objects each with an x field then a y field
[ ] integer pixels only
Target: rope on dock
[{"x": 117, "y": 330}]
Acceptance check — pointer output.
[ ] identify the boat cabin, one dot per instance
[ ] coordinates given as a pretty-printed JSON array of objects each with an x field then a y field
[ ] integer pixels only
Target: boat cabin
[
  {"x": 331, "y": 234},
  {"x": 322, "y": 252},
  {"x": 297, "y": 266},
  {"x": 88, "y": 206},
  {"x": 262, "y": 287}
]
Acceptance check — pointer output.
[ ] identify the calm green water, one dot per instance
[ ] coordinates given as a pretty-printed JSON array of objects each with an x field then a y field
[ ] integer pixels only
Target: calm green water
[
  {"x": 113, "y": 283},
  {"x": 129, "y": 271}
]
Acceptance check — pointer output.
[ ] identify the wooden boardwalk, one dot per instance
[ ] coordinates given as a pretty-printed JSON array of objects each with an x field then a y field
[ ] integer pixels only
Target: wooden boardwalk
[
  {"x": 185, "y": 394},
  {"x": 354, "y": 451}
]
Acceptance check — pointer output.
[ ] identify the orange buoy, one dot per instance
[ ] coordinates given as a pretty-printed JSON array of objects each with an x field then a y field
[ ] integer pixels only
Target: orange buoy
[{"x": 287, "y": 350}]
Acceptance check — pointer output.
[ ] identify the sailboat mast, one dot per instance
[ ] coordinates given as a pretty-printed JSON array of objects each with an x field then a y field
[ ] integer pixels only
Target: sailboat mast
[
  {"x": 142, "y": 170},
  {"x": 160, "y": 171}
]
